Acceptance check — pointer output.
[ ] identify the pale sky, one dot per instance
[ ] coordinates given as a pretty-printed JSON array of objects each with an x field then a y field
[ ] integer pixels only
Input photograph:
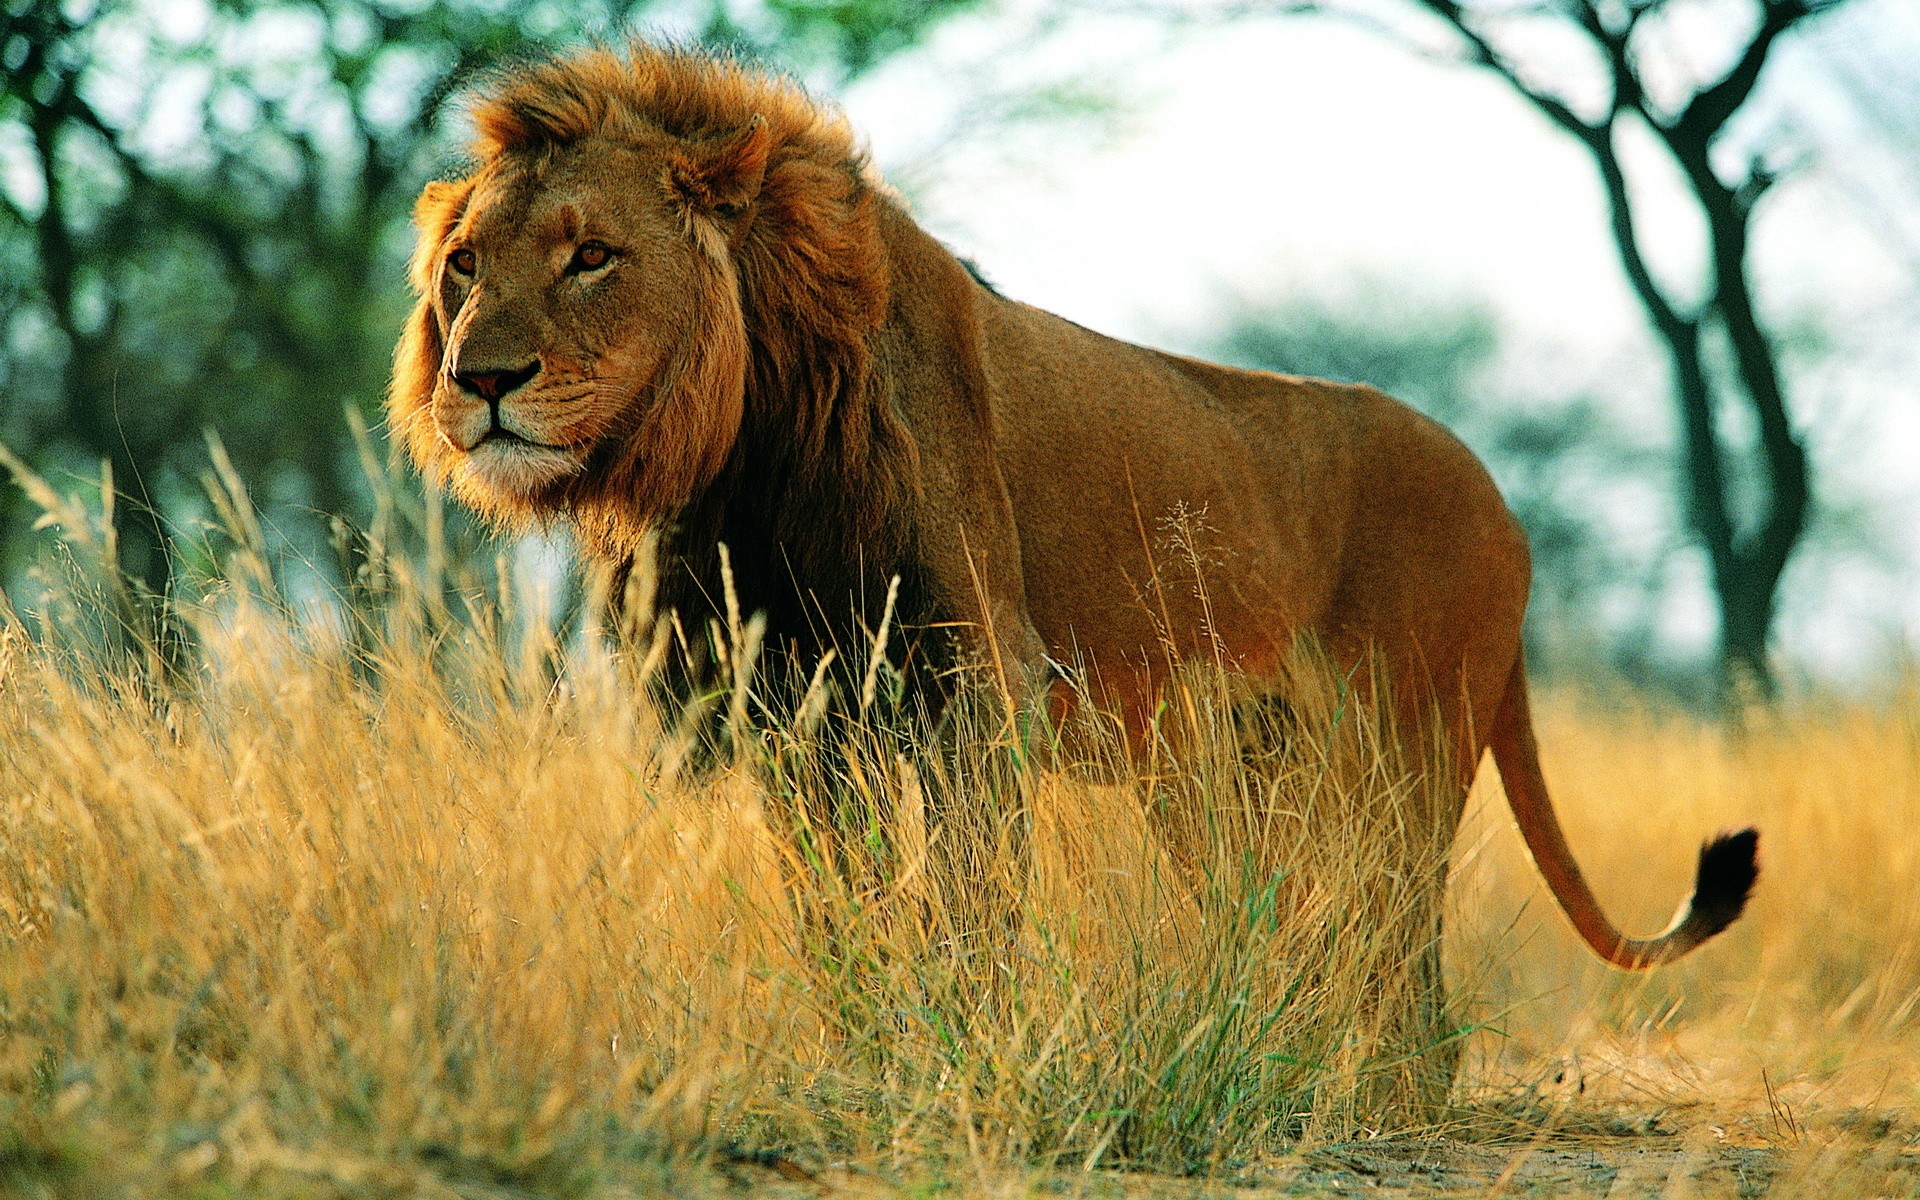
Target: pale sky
[{"x": 1309, "y": 156}]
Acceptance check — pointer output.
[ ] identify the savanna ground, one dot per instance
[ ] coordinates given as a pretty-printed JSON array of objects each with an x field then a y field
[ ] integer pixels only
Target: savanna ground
[{"x": 404, "y": 896}]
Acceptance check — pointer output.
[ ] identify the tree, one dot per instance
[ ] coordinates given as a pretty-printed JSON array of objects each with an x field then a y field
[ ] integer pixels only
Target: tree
[
  {"x": 238, "y": 278},
  {"x": 1746, "y": 504}
]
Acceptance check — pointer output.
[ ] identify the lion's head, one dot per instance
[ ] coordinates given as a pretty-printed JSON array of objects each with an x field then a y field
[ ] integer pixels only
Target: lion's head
[{"x": 637, "y": 255}]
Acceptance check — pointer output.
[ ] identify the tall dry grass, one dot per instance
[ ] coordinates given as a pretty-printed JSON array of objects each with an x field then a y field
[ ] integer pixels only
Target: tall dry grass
[
  {"x": 407, "y": 892},
  {"x": 1808, "y": 1003},
  {"x": 413, "y": 887}
]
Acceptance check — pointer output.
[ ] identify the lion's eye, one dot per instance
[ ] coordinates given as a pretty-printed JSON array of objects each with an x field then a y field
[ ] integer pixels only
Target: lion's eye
[
  {"x": 462, "y": 261},
  {"x": 591, "y": 256}
]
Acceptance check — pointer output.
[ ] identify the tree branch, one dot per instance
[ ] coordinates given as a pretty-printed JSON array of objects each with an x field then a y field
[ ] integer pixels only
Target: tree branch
[
  {"x": 1481, "y": 52},
  {"x": 1713, "y": 106}
]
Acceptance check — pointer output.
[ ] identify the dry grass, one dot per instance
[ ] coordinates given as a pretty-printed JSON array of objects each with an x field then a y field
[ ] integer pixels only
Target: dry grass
[
  {"x": 1807, "y": 1005},
  {"x": 426, "y": 902}
]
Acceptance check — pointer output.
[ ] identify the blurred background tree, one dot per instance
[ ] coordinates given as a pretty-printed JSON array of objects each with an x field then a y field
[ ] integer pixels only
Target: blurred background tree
[
  {"x": 1748, "y": 497},
  {"x": 203, "y": 221},
  {"x": 1616, "y": 86}
]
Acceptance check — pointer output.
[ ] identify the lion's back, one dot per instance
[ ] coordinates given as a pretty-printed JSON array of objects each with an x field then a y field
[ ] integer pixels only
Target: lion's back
[
  {"x": 1332, "y": 507},
  {"x": 1107, "y": 448}
]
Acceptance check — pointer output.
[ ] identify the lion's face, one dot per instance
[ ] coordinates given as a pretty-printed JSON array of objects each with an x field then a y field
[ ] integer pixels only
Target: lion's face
[
  {"x": 561, "y": 297},
  {"x": 578, "y": 327}
]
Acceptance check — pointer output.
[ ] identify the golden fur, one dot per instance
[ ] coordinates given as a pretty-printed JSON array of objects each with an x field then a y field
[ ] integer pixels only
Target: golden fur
[{"x": 777, "y": 358}]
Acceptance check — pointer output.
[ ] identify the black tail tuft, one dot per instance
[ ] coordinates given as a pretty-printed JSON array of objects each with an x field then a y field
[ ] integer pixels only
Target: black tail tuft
[{"x": 1729, "y": 864}]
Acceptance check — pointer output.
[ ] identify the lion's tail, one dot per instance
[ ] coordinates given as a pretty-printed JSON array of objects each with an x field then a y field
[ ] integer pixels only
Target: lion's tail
[{"x": 1728, "y": 864}]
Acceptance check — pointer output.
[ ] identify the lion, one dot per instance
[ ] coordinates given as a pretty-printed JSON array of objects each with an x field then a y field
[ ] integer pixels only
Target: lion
[{"x": 673, "y": 306}]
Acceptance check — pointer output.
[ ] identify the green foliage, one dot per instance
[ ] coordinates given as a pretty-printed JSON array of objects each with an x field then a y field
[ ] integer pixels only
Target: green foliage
[{"x": 857, "y": 34}]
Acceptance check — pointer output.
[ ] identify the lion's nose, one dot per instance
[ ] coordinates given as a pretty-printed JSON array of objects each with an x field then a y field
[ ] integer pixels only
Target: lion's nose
[{"x": 492, "y": 385}]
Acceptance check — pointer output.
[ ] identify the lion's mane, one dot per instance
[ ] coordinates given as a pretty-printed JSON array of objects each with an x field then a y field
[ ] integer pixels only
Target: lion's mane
[{"x": 774, "y": 425}]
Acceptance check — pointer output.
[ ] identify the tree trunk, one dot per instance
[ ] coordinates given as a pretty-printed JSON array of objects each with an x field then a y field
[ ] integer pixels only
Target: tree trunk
[
  {"x": 1746, "y": 620},
  {"x": 1746, "y": 564}
]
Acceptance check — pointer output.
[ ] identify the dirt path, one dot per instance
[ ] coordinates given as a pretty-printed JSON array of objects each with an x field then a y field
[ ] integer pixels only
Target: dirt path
[{"x": 1618, "y": 1169}]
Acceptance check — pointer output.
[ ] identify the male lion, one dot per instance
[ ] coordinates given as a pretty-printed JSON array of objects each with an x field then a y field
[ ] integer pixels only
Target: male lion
[{"x": 671, "y": 296}]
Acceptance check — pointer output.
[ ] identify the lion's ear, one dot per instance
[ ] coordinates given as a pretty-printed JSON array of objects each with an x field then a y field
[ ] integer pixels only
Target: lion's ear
[{"x": 722, "y": 176}]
